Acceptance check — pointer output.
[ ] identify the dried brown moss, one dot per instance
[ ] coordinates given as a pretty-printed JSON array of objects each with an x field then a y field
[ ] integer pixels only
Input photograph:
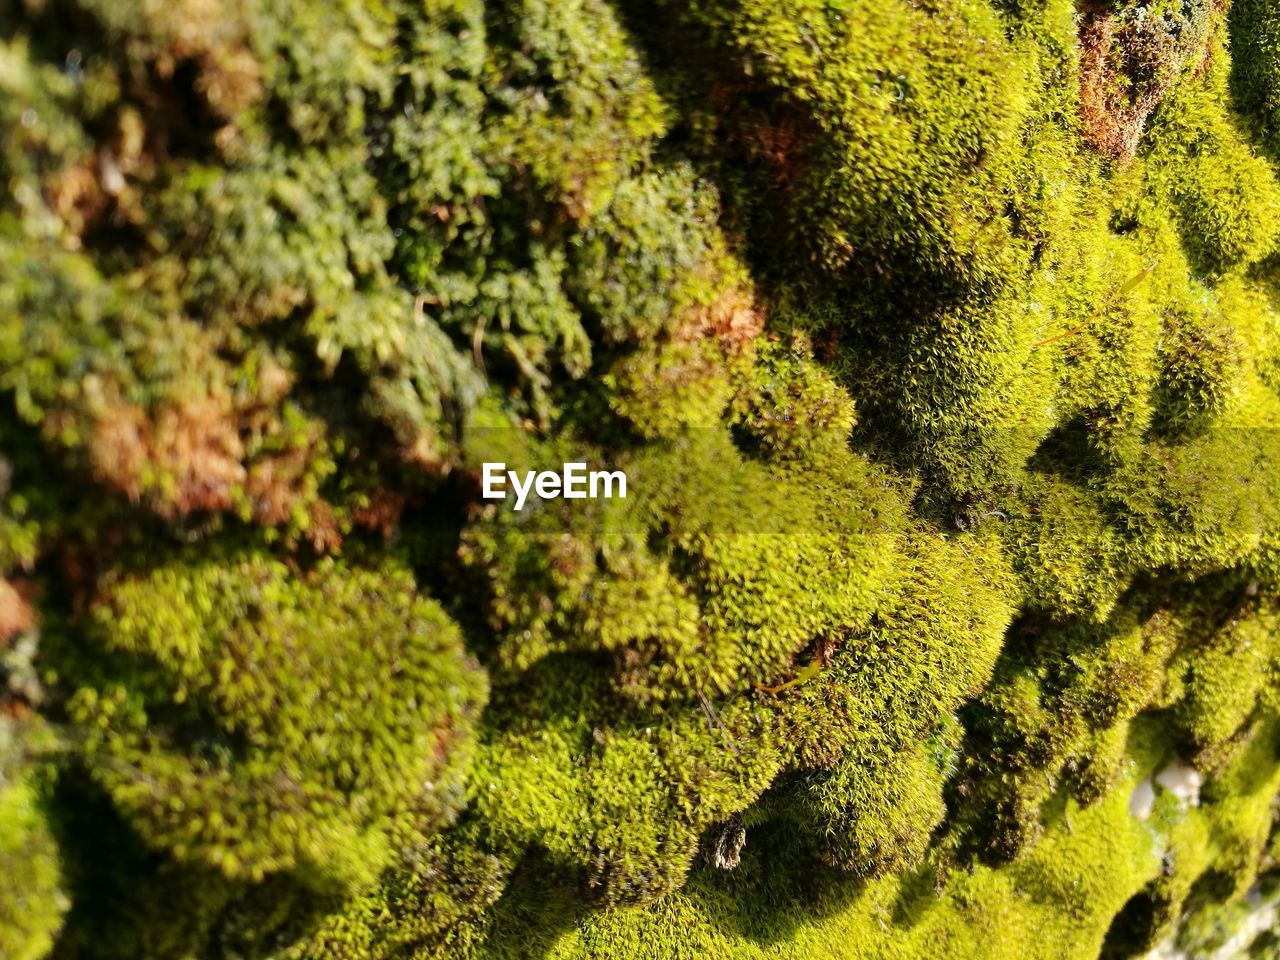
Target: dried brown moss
[{"x": 1130, "y": 58}]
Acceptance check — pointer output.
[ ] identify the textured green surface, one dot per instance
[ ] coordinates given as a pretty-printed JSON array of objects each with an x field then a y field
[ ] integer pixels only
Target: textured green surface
[{"x": 940, "y": 343}]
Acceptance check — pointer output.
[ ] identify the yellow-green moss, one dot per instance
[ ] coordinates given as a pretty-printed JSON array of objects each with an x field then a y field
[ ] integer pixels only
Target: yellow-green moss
[
  {"x": 229, "y": 709},
  {"x": 33, "y": 900},
  {"x": 941, "y": 346}
]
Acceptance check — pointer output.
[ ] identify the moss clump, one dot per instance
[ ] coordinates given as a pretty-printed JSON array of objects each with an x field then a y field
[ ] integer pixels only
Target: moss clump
[
  {"x": 433, "y": 903},
  {"x": 34, "y": 901},
  {"x": 228, "y": 712},
  {"x": 1218, "y": 184},
  {"x": 1255, "y": 40},
  {"x": 1067, "y": 887}
]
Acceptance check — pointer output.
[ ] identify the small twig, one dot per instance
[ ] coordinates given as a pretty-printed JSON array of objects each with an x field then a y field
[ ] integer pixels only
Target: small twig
[
  {"x": 420, "y": 304},
  {"x": 808, "y": 672},
  {"x": 716, "y": 723},
  {"x": 1128, "y": 287},
  {"x": 477, "y": 342}
]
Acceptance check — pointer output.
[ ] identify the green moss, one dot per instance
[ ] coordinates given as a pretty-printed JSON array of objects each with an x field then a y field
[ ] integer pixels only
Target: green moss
[
  {"x": 1226, "y": 674},
  {"x": 1057, "y": 902},
  {"x": 431, "y": 904},
  {"x": 875, "y": 819},
  {"x": 1255, "y": 78},
  {"x": 1218, "y": 184},
  {"x": 32, "y": 906},
  {"x": 232, "y": 719},
  {"x": 939, "y": 343}
]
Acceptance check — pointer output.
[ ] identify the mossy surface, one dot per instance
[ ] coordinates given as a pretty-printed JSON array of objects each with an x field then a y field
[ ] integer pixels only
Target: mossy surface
[{"x": 940, "y": 343}]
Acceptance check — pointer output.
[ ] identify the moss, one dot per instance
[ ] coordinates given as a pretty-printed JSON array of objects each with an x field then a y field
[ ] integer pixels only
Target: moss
[
  {"x": 1068, "y": 887},
  {"x": 702, "y": 608},
  {"x": 34, "y": 901},
  {"x": 1255, "y": 77},
  {"x": 431, "y": 904},
  {"x": 1225, "y": 675},
  {"x": 232, "y": 721},
  {"x": 1131, "y": 59},
  {"x": 1221, "y": 186},
  {"x": 879, "y": 818},
  {"x": 876, "y": 91},
  {"x": 127, "y": 900},
  {"x": 939, "y": 343}
]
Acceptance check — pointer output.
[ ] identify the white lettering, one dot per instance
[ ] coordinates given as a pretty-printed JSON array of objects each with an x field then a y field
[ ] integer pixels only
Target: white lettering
[
  {"x": 607, "y": 478},
  {"x": 494, "y": 476},
  {"x": 521, "y": 491},
  {"x": 548, "y": 485},
  {"x": 573, "y": 482}
]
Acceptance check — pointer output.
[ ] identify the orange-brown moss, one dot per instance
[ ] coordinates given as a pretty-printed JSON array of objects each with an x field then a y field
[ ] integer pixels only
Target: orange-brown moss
[
  {"x": 17, "y": 616},
  {"x": 1129, "y": 60}
]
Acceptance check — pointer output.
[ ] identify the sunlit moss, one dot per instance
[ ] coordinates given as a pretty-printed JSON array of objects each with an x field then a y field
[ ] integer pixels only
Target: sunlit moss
[
  {"x": 234, "y": 723},
  {"x": 34, "y": 901},
  {"x": 940, "y": 345}
]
